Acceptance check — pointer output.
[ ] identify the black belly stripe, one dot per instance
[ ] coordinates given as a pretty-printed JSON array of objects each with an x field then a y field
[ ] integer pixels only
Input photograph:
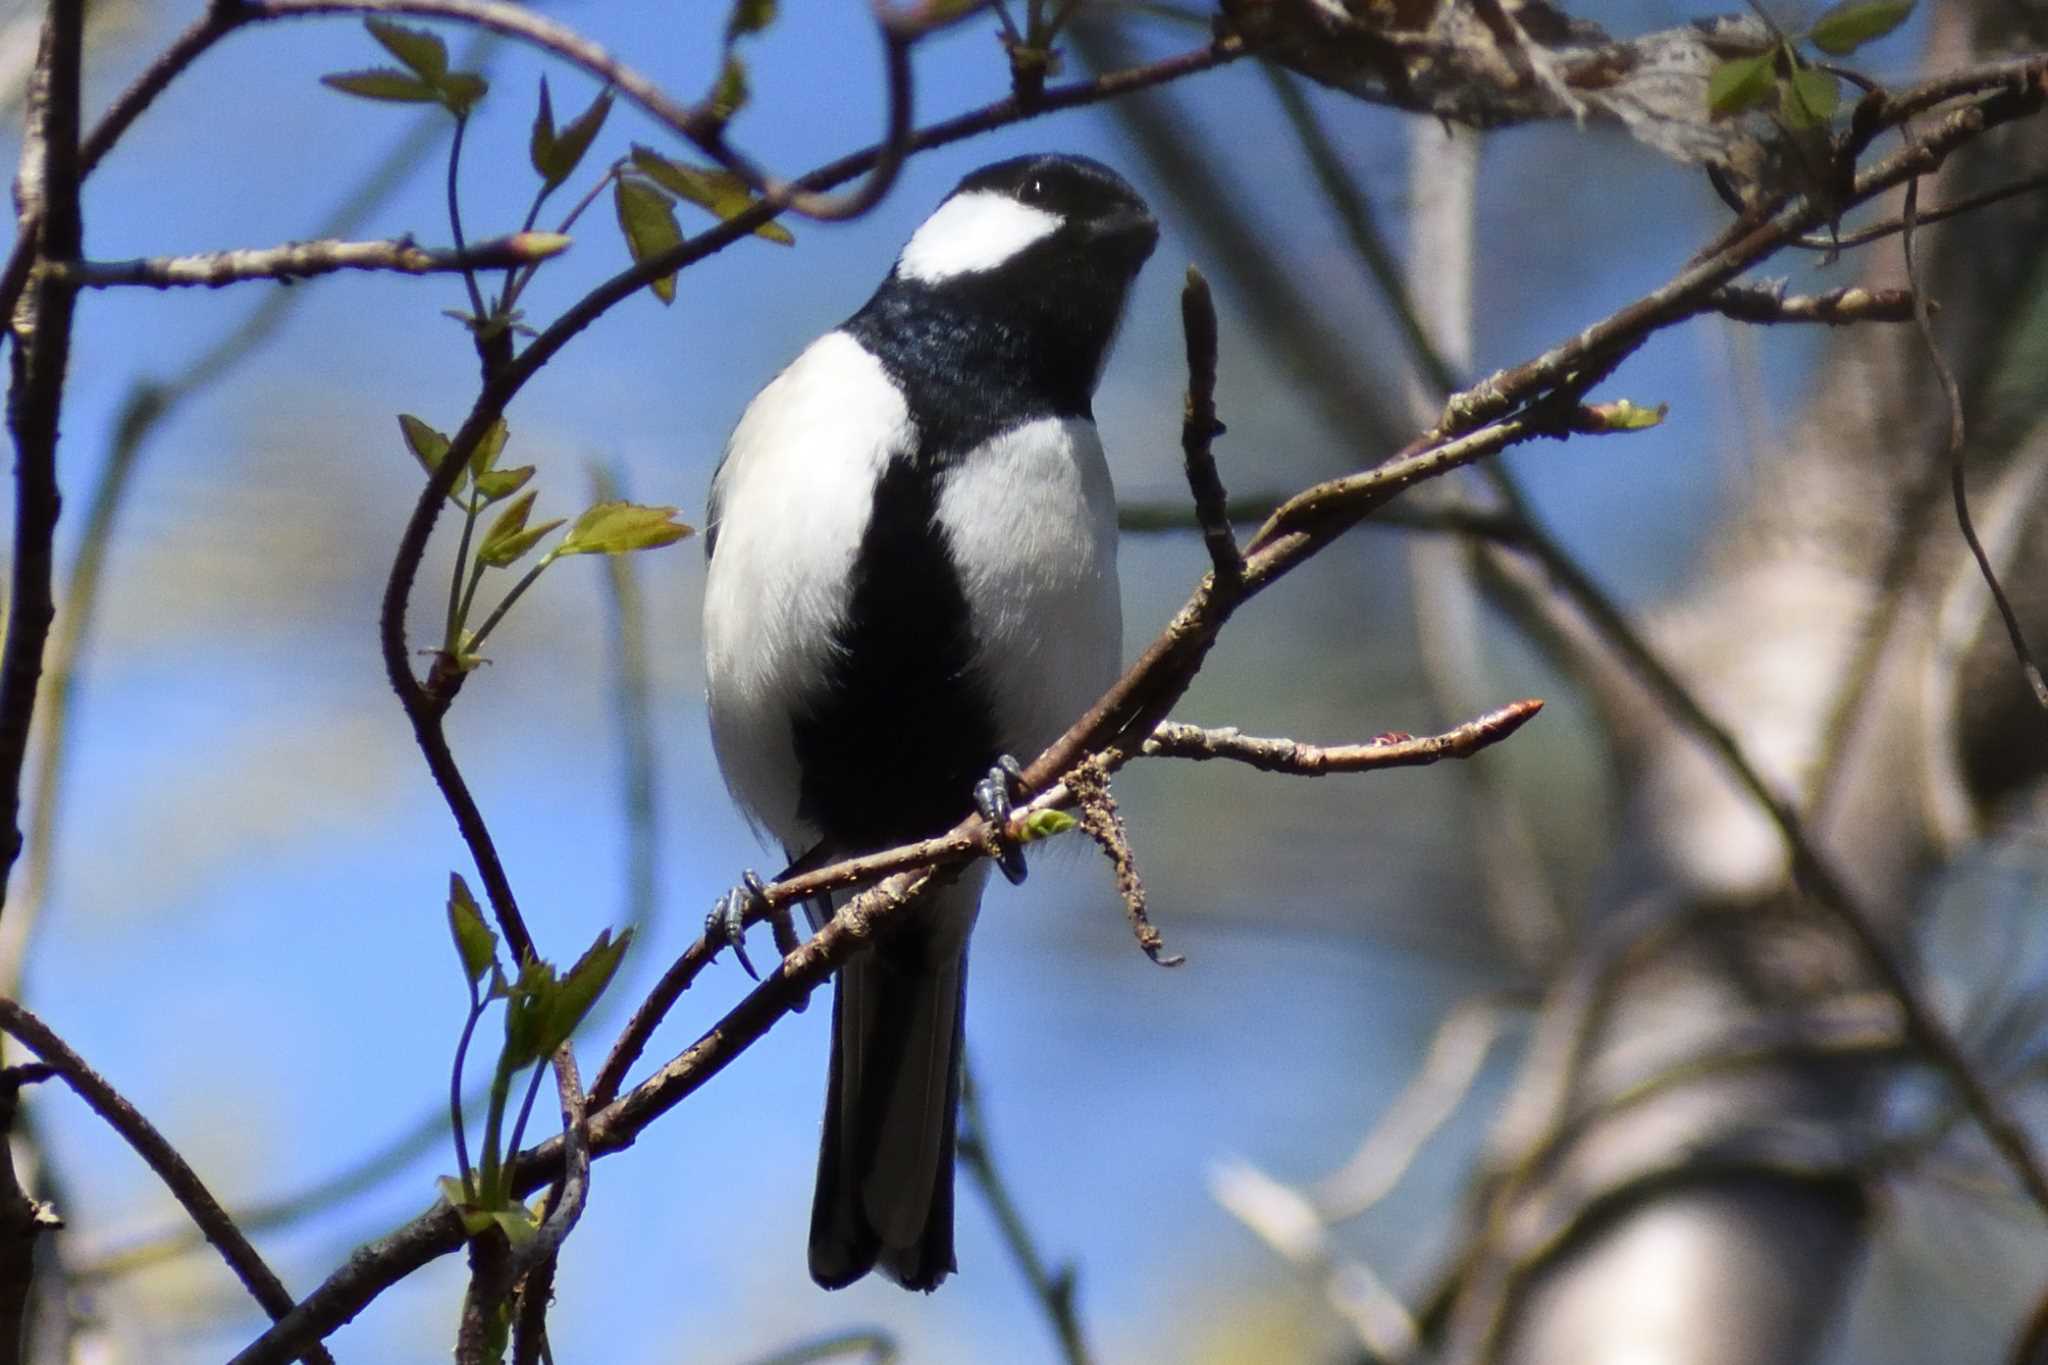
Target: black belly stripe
[
  {"x": 892, "y": 745},
  {"x": 892, "y": 748}
]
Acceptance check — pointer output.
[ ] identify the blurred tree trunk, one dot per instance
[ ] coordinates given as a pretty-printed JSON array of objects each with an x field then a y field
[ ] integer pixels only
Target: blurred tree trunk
[{"x": 1683, "y": 1173}]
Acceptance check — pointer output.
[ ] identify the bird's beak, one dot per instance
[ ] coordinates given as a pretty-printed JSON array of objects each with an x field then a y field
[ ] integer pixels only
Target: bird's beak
[{"x": 1133, "y": 232}]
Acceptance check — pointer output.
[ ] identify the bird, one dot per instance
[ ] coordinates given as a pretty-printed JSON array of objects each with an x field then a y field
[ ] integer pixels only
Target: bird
[{"x": 911, "y": 581}]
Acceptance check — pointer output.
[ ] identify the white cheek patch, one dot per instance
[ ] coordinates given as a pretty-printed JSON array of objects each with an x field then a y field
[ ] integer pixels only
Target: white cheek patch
[{"x": 978, "y": 230}]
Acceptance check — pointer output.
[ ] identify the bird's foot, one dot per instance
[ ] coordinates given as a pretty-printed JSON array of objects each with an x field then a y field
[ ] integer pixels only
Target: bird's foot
[
  {"x": 992, "y": 801},
  {"x": 727, "y": 923}
]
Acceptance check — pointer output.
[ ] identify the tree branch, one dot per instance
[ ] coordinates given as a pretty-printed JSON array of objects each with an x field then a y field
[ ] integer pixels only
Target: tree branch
[
  {"x": 1175, "y": 740},
  {"x": 46, "y": 193},
  {"x": 301, "y": 260},
  {"x": 171, "y": 1168},
  {"x": 1768, "y": 303}
]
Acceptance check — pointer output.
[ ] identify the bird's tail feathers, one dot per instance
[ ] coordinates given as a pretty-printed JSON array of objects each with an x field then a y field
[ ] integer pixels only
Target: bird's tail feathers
[{"x": 885, "y": 1163}]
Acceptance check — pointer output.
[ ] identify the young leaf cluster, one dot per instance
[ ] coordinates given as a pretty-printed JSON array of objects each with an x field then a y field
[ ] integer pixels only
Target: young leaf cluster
[
  {"x": 646, "y": 194},
  {"x": 542, "y": 1007},
  {"x": 1800, "y": 94},
  {"x": 425, "y": 78},
  {"x": 605, "y": 528}
]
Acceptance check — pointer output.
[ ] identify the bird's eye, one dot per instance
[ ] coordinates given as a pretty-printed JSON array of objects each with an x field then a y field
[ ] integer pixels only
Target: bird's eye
[{"x": 1033, "y": 191}]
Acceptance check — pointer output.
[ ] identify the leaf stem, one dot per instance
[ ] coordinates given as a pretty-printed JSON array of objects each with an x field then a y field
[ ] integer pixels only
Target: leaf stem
[
  {"x": 509, "y": 292},
  {"x": 476, "y": 1012},
  {"x": 458, "y": 603},
  {"x": 526, "y": 1106},
  {"x": 490, "y": 1183},
  {"x": 471, "y": 644},
  {"x": 611, "y": 173},
  {"x": 476, "y": 297},
  {"x": 476, "y": 577}
]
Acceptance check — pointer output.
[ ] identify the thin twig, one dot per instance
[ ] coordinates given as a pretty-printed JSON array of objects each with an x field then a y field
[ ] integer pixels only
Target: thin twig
[
  {"x": 301, "y": 260},
  {"x": 1354, "y": 211},
  {"x": 1768, "y": 303},
  {"x": 1954, "y": 455},
  {"x": 1460, "y": 1047},
  {"x": 640, "y": 1028},
  {"x": 1052, "y": 1287},
  {"x": 170, "y": 1167},
  {"x": 2032, "y": 184},
  {"x": 46, "y": 191},
  {"x": 1199, "y": 428},
  {"x": 1284, "y": 1220},
  {"x": 1815, "y": 873},
  {"x": 900, "y": 31},
  {"x": 566, "y": 1201},
  {"x": 1175, "y": 740}
]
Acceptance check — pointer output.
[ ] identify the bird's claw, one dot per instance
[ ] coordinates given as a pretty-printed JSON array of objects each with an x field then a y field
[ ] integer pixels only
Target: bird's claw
[
  {"x": 727, "y": 923},
  {"x": 992, "y": 801}
]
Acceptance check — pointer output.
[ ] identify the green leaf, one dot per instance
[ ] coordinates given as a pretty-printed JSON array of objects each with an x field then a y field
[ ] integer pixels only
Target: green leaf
[
  {"x": 729, "y": 92},
  {"x": 615, "y": 528},
  {"x": 427, "y": 445},
  {"x": 459, "y": 91},
  {"x": 496, "y": 484},
  {"x": 718, "y": 190},
  {"x": 474, "y": 1218},
  {"x": 649, "y": 221},
  {"x": 1809, "y": 98},
  {"x": 575, "y": 140},
  {"x": 382, "y": 83},
  {"x": 509, "y": 537},
  {"x": 1741, "y": 83},
  {"x": 1843, "y": 28},
  {"x": 1044, "y": 824},
  {"x": 513, "y": 548},
  {"x": 474, "y": 941},
  {"x": 488, "y": 448},
  {"x": 749, "y": 16},
  {"x": 517, "y": 1223},
  {"x": 580, "y": 988},
  {"x": 509, "y": 522},
  {"x": 526, "y": 1007},
  {"x": 541, "y": 146},
  {"x": 420, "y": 50}
]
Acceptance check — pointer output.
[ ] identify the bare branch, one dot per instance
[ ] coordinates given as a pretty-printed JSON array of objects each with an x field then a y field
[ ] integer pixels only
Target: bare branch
[
  {"x": 1954, "y": 454},
  {"x": 1175, "y": 740},
  {"x": 171, "y": 1168},
  {"x": 301, "y": 260},
  {"x": 1816, "y": 875},
  {"x": 1460, "y": 1047},
  {"x": 1770, "y": 303},
  {"x": 50, "y": 227},
  {"x": 1285, "y": 1222},
  {"x": 1052, "y": 1287},
  {"x": 1199, "y": 428}
]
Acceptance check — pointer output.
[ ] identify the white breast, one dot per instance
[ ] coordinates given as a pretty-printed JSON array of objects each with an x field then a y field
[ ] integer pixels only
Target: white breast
[
  {"x": 1031, "y": 520},
  {"x": 794, "y": 496}
]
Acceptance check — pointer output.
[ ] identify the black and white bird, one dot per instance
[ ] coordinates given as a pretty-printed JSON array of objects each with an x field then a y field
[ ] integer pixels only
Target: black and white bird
[{"x": 912, "y": 579}]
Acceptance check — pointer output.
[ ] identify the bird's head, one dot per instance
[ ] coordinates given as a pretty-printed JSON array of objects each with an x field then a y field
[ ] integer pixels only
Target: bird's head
[{"x": 1034, "y": 222}]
